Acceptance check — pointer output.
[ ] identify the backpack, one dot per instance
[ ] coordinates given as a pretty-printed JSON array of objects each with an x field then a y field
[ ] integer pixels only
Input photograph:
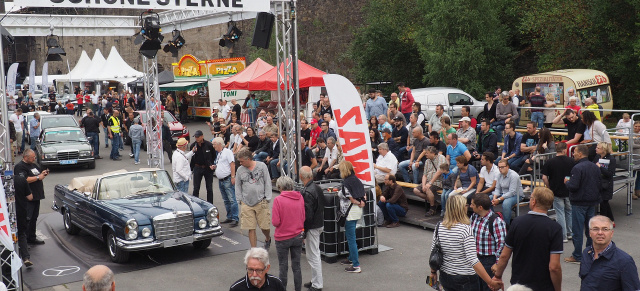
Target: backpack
[{"x": 492, "y": 218}]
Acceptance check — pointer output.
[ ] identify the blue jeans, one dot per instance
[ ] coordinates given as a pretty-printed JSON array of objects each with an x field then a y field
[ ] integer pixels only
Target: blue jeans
[
  {"x": 443, "y": 199},
  {"x": 253, "y": 114},
  {"x": 350, "y": 232},
  {"x": 459, "y": 282},
  {"x": 136, "y": 153},
  {"x": 228, "y": 192},
  {"x": 292, "y": 246},
  {"x": 121, "y": 143},
  {"x": 183, "y": 186},
  {"x": 106, "y": 136},
  {"x": 637, "y": 177},
  {"x": 538, "y": 118},
  {"x": 487, "y": 262},
  {"x": 498, "y": 127},
  {"x": 506, "y": 208},
  {"x": 34, "y": 140},
  {"x": 563, "y": 215},
  {"x": 94, "y": 140},
  {"x": 259, "y": 157},
  {"x": 274, "y": 169},
  {"x": 580, "y": 216},
  {"x": 403, "y": 167},
  {"x": 391, "y": 211},
  {"x": 114, "y": 146}
]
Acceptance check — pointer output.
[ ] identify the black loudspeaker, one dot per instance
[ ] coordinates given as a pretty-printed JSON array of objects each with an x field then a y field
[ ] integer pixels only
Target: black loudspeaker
[{"x": 262, "y": 31}]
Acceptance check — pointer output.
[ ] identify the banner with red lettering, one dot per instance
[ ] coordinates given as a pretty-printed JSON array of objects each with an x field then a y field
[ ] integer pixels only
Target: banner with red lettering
[
  {"x": 5, "y": 226},
  {"x": 352, "y": 126}
]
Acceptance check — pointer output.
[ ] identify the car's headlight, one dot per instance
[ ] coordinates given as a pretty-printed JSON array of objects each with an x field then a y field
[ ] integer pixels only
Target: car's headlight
[
  {"x": 146, "y": 232},
  {"x": 132, "y": 224},
  {"x": 212, "y": 214},
  {"x": 185, "y": 131},
  {"x": 50, "y": 156},
  {"x": 133, "y": 234},
  {"x": 85, "y": 154},
  {"x": 202, "y": 223}
]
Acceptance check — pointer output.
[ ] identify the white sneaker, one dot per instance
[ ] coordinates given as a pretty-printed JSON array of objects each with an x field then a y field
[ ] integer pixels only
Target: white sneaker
[
  {"x": 136, "y": 163},
  {"x": 565, "y": 240}
]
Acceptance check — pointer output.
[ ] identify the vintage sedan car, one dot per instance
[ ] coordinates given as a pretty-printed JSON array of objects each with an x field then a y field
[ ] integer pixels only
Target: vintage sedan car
[
  {"x": 64, "y": 146},
  {"x": 178, "y": 130},
  {"x": 133, "y": 211}
]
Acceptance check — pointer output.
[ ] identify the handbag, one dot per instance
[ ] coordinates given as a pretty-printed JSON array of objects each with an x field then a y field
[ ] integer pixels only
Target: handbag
[
  {"x": 436, "y": 257},
  {"x": 342, "y": 219}
]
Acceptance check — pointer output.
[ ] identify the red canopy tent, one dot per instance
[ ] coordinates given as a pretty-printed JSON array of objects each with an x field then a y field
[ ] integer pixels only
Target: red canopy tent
[
  {"x": 308, "y": 77},
  {"x": 241, "y": 80}
]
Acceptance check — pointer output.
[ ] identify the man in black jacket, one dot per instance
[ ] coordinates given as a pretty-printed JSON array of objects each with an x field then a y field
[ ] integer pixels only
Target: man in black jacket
[
  {"x": 313, "y": 225},
  {"x": 262, "y": 151},
  {"x": 487, "y": 140},
  {"x": 23, "y": 195},
  {"x": 91, "y": 125},
  {"x": 34, "y": 175},
  {"x": 202, "y": 165},
  {"x": 584, "y": 194}
]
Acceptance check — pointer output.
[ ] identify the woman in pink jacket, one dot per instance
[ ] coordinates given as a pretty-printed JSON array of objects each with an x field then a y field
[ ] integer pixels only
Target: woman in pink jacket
[{"x": 288, "y": 218}]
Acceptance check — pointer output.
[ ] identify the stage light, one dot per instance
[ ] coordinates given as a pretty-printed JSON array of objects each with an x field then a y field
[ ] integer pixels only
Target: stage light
[
  {"x": 176, "y": 43},
  {"x": 232, "y": 36},
  {"x": 54, "y": 51},
  {"x": 151, "y": 34}
]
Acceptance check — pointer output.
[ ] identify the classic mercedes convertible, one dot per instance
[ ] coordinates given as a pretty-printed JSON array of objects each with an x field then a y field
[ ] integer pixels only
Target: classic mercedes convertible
[{"x": 132, "y": 211}]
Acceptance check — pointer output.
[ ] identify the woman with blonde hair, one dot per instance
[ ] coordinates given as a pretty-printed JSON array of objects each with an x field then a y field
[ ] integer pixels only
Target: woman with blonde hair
[
  {"x": 549, "y": 114},
  {"x": 170, "y": 105},
  {"x": 352, "y": 201},
  {"x": 460, "y": 266}
]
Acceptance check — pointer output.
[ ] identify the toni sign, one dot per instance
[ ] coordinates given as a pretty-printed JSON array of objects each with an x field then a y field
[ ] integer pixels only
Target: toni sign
[
  {"x": 211, "y": 5},
  {"x": 352, "y": 126}
]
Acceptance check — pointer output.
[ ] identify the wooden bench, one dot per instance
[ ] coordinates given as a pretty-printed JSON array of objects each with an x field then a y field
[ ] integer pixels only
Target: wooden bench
[
  {"x": 407, "y": 185},
  {"x": 529, "y": 183}
]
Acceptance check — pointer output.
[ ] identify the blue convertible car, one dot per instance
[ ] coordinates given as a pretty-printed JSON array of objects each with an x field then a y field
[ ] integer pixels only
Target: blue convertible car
[{"x": 133, "y": 211}]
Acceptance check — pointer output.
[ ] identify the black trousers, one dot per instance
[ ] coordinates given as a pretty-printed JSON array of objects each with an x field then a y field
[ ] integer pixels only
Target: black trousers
[
  {"x": 166, "y": 146},
  {"x": 207, "y": 173},
  {"x": 33, "y": 211},
  {"x": 22, "y": 233}
]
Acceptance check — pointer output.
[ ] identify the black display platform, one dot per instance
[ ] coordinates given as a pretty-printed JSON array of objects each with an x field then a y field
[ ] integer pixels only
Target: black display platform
[{"x": 65, "y": 258}]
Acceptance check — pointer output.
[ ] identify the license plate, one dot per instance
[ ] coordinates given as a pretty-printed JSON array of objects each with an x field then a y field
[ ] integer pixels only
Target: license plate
[
  {"x": 177, "y": 241},
  {"x": 68, "y": 162}
]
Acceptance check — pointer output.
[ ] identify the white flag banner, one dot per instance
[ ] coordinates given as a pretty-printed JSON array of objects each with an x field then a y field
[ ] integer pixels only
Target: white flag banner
[
  {"x": 6, "y": 237},
  {"x": 352, "y": 126},
  {"x": 45, "y": 78},
  {"x": 211, "y": 5},
  {"x": 11, "y": 79},
  {"x": 32, "y": 77},
  {"x": 16, "y": 264}
]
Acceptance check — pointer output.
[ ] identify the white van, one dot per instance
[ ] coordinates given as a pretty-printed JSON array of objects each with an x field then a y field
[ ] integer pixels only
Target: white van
[{"x": 451, "y": 98}]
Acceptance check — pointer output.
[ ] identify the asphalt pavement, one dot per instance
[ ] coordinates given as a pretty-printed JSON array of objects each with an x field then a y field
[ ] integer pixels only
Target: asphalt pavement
[{"x": 404, "y": 267}]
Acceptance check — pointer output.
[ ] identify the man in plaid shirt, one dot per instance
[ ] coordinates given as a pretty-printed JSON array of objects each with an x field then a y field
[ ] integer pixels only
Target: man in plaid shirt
[{"x": 489, "y": 238}]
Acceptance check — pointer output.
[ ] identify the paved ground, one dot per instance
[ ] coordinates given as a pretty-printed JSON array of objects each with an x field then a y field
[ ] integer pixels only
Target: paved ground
[{"x": 403, "y": 268}]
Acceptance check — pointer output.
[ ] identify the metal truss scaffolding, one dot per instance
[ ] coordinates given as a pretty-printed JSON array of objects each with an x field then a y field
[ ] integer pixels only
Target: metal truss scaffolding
[
  {"x": 6, "y": 157},
  {"x": 288, "y": 86},
  {"x": 153, "y": 126}
]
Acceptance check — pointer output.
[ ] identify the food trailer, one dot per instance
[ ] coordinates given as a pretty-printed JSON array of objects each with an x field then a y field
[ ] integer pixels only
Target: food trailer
[{"x": 199, "y": 82}]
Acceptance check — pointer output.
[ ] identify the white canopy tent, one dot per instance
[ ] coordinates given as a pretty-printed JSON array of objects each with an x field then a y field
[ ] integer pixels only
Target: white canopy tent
[
  {"x": 81, "y": 68},
  {"x": 116, "y": 69},
  {"x": 94, "y": 69}
]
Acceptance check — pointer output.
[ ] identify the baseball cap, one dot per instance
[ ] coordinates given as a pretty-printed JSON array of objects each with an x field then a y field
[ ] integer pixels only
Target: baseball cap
[
  {"x": 314, "y": 121},
  {"x": 182, "y": 141},
  {"x": 397, "y": 118},
  {"x": 467, "y": 119},
  {"x": 198, "y": 133}
]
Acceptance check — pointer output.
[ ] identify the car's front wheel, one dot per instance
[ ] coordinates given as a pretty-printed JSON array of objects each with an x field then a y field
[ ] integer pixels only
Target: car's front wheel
[
  {"x": 202, "y": 244},
  {"x": 68, "y": 225},
  {"x": 116, "y": 254}
]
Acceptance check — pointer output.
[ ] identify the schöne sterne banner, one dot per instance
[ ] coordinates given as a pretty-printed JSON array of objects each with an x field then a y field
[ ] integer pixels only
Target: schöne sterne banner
[
  {"x": 352, "y": 126},
  {"x": 213, "y": 5}
]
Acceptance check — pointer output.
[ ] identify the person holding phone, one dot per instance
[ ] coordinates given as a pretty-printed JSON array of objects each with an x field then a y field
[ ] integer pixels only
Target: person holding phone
[{"x": 34, "y": 175}]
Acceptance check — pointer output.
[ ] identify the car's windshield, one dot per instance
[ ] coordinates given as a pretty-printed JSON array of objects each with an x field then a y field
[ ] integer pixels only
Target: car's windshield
[
  {"x": 59, "y": 121},
  {"x": 58, "y": 136},
  {"x": 131, "y": 185},
  {"x": 167, "y": 116}
]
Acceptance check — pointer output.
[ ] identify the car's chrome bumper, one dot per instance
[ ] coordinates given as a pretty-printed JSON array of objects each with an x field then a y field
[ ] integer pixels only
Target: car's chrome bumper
[{"x": 150, "y": 243}]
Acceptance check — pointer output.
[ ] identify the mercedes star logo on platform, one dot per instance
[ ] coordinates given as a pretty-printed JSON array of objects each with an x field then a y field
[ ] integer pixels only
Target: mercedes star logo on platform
[{"x": 60, "y": 271}]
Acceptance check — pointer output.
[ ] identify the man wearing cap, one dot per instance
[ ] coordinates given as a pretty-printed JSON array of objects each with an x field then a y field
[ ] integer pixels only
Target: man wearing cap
[
  {"x": 400, "y": 134},
  {"x": 467, "y": 134},
  {"x": 202, "y": 165},
  {"x": 315, "y": 132},
  {"x": 180, "y": 165}
]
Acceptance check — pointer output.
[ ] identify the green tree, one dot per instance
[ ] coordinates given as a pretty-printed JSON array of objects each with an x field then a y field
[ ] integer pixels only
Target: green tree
[
  {"x": 465, "y": 44},
  {"x": 384, "y": 49}
]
